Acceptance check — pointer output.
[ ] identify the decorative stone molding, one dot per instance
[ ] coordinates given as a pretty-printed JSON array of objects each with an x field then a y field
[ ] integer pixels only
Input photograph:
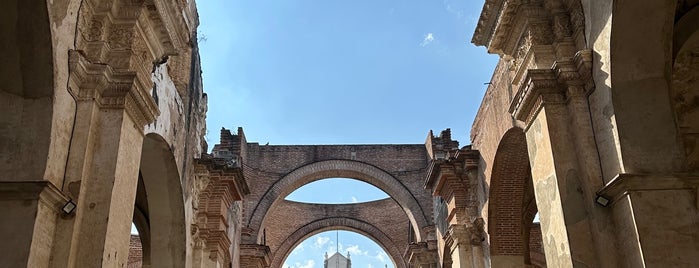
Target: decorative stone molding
[
  {"x": 111, "y": 89},
  {"x": 623, "y": 184},
  {"x": 44, "y": 191},
  {"x": 130, "y": 36},
  {"x": 565, "y": 79},
  {"x": 532, "y": 34},
  {"x": 454, "y": 179},
  {"x": 421, "y": 255},
  {"x": 224, "y": 184}
]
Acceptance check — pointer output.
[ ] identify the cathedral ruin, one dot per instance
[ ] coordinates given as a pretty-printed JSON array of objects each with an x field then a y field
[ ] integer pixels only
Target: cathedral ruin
[{"x": 591, "y": 121}]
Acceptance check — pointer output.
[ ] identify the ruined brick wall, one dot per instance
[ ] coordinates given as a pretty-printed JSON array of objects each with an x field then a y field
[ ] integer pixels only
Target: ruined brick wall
[
  {"x": 266, "y": 167},
  {"x": 536, "y": 246},
  {"x": 383, "y": 221},
  {"x": 135, "y": 252}
]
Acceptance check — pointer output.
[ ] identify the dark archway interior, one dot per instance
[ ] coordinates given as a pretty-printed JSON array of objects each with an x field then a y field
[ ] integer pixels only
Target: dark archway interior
[
  {"x": 26, "y": 88},
  {"x": 159, "y": 205}
]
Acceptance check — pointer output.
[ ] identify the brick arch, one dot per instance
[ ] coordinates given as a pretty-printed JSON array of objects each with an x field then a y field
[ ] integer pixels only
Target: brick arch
[
  {"x": 335, "y": 223},
  {"x": 507, "y": 192},
  {"x": 340, "y": 168}
]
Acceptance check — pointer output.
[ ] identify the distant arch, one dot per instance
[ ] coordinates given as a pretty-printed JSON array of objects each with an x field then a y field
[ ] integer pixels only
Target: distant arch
[
  {"x": 346, "y": 169},
  {"x": 162, "y": 222},
  {"x": 335, "y": 223}
]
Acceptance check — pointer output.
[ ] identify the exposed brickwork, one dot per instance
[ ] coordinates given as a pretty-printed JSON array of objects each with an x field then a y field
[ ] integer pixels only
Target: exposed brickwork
[
  {"x": 507, "y": 185},
  {"x": 536, "y": 247},
  {"x": 135, "y": 252},
  {"x": 273, "y": 172},
  {"x": 383, "y": 221}
]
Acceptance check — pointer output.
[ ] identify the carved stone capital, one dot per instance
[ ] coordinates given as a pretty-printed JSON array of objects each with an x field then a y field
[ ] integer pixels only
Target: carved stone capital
[
  {"x": 540, "y": 86},
  {"x": 111, "y": 89},
  {"x": 254, "y": 256},
  {"x": 421, "y": 255}
]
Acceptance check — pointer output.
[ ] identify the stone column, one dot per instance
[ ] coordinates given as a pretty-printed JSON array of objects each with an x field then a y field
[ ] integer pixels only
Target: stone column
[
  {"x": 559, "y": 140},
  {"x": 103, "y": 164}
]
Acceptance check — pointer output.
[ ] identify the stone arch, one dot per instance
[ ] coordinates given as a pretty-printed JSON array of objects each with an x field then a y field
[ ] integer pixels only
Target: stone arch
[
  {"x": 163, "y": 207},
  {"x": 340, "y": 168},
  {"x": 640, "y": 56},
  {"x": 26, "y": 89},
  {"x": 685, "y": 74},
  {"x": 509, "y": 195},
  {"x": 341, "y": 223}
]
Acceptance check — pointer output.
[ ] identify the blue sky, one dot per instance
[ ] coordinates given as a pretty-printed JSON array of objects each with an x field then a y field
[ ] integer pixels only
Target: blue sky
[{"x": 341, "y": 72}]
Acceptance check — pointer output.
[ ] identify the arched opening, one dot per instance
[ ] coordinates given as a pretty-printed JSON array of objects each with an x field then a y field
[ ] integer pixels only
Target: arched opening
[
  {"x": 641, "y": 49},
  {"x": 512, "y": 206},
  {"x": 343, "y": 169},
  {"x": 26, "y": 89},
  {"x": 336, "y": 191},
  {"x": 685, "y": 79},
  {"x": 356, "y": 243},
  {"x": 159, "y": 206}
]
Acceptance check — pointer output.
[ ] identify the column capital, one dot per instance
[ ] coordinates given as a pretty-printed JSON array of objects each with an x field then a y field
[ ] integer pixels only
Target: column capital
[
  {"x": 111, "y": 89},
  {"x": 254, "y": 256}
]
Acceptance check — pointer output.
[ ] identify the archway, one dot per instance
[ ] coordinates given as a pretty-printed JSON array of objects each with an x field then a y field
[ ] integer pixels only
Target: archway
[
  {"x": 340, "y": 168},
  {"x": 685, "y": 79},
  {"x": 512, "y": 205},
  {"x": 159, "y": 209},
  {"x": 26, "y": 89},
  {"x": 338, "y": 223},
  {"x": 641, "y": 66}
]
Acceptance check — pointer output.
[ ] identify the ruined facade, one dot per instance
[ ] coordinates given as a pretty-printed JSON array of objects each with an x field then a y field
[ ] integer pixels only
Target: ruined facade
[{"x": 590, "y": 122}]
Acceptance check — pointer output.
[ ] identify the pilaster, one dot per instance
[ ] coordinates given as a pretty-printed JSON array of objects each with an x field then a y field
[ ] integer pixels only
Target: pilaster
[
  {"x": 222, "y": 183},
  {"x": 454, "y": 180}
]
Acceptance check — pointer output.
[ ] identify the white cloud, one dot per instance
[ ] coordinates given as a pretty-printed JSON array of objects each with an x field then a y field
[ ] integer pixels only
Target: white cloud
[
  {"x": 354, "y": 250},
  {"x": 307, "y": 264},
  {"x": 381, "y": 256},
  {"x": 298, "y": 249},
  {"x": 428, "y": 39},
  {"x": 354, "y": 200},
  {"x": 321, "y": 241}
]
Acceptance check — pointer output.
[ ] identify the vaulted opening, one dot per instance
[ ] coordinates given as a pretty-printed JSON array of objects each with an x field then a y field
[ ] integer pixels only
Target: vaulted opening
[
  {"x": 334, "y": 248},
  {"x": 337, "y": 191}
]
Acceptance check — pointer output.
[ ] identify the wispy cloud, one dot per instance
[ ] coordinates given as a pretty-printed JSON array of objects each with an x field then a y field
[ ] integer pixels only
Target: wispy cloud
[
  {"x": 427, "y": 40},
  {"x": 355, "y": 250},
  {"x": 307, "y": 264},
  {"x": 354, "y": 200},
  {"x": 381, "y": 256},
  {"x": 321, "y": 241}
]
